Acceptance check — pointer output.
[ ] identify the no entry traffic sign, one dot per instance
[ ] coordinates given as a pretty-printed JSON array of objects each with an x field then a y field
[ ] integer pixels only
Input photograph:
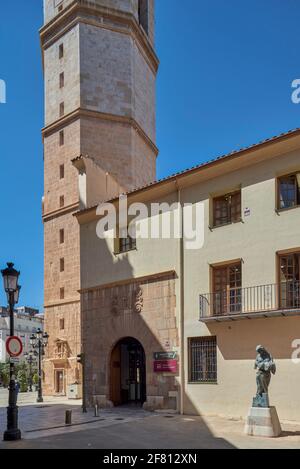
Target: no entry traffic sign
[{"x": 14, "y": 346}]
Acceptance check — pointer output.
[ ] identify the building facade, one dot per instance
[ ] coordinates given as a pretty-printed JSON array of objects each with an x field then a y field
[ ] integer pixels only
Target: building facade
[
  {"x": 25, "y": 326},
  {"x": 100, "y": 71},
  {"x": 209, "y": 303},
  {"x": 167, "y": 322}
]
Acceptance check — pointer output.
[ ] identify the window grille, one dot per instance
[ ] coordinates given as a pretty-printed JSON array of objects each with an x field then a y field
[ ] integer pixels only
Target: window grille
[{"x": 203, "y": 360}]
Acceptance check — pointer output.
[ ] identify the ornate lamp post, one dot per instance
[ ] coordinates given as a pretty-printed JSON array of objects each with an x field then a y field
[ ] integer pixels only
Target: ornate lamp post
[
  {"x": 12, "y": 289},
  {"x": 39, "y": 341},
  {"x": 31, "y": 360}
]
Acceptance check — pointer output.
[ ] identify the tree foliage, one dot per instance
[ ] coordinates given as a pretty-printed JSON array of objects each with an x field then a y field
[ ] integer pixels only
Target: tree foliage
[{"x": 22, "y": 372}]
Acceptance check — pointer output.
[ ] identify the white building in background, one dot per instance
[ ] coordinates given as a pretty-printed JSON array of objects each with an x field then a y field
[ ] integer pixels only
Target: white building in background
[{"x": 25, "y": 325}]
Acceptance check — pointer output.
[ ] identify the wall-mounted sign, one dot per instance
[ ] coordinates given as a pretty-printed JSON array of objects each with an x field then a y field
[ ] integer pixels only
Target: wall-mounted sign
[
  {"x": 14, "y": 360},
  {"x": 247, "y": 212},
  {"x": 165, "y": 366},
  {"x": 165, "y": 355}
]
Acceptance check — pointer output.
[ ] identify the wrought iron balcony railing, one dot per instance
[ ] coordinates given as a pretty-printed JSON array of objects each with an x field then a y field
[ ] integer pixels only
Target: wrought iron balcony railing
[{"x": 263, "y": 298}]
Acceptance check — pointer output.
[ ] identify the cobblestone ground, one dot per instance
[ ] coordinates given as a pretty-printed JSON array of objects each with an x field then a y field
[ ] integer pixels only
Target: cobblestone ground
[{"x": 43, "y": 426}]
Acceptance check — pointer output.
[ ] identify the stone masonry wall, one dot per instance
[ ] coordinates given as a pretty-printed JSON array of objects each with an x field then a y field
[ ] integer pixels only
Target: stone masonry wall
[
  {"x": 142, "y": 310},
  {"x": 55, "y": 156},
  {"x": 103, "y": 74},
  {"x": 119, "y": 150},
  {"x": 51, "y": 9},
  {"x": 115, "y": 77},
  {"x": 67, "y": 360},
  {"x": 69, "y": 65},
  {"x": 51, "y": 6}
]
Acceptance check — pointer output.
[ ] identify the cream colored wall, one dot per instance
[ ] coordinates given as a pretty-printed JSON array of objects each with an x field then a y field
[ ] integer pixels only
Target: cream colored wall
[
  {"x": 236, "y": 387},
  {"x": 256, "y": 241},
  {"x": 100, "y": 266}
]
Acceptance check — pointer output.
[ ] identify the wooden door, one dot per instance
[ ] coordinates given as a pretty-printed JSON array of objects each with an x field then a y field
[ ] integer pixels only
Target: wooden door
[
  {"x": 289, "y": 281},
  {"x": 59, "y": 382},
  {"x": 227, "y": 283}
]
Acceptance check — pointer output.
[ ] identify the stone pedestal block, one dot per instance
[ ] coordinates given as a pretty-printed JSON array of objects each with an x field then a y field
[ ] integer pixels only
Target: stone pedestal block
[{"x": 263, "y": 422}]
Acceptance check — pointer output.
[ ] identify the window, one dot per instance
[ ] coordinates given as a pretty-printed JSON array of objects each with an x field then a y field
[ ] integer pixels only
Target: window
[
  {"x": 290, "y": 280},
  {"x": 62, "y": 264},
  {"x": 62, "y": 80},
  {"x": 62, "y": 171},
  {"x": 227, "y": 209},
  {"x": 61, "y": 138},
  {"x": 61, "y": 109},
  {"x": 127, "y": 244},
  {"x": 227, "y": 289},
  {"x": 144, "y": 14},
  {"x": 203, "y": 360},
  {"x": 61, "y": 324},
  {"x": 62, "y": 293},
  {"x": 289, "y": 191},
  {"x": 61, "y": 236},
  {"x": 61, "y": 201},
  {"x": 61, "y": 51}
]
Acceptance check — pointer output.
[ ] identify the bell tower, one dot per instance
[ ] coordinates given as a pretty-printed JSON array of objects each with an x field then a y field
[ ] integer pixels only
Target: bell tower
[{"x": 100, "y": 71}]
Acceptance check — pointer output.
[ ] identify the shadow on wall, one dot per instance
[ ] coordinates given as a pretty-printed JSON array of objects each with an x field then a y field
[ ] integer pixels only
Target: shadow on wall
[
  {"x": 144, "y": 310},
  {"x": 237, "y": 340}
]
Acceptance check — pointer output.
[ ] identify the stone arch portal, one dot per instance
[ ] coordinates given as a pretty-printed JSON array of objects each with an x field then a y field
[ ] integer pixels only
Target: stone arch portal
[{"x": 128, "y": 373}]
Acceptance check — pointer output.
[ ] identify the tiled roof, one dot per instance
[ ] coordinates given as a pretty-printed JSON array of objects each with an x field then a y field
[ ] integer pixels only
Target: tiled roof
[{"x": 201, "y": 165}]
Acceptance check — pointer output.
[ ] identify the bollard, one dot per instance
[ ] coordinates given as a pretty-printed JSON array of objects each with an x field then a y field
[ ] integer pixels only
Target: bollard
[
  {"x": 68, "y": 417},
  {"x": 96, "y": 410}
]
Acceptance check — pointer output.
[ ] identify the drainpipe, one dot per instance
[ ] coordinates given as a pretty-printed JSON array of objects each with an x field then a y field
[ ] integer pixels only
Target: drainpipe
[{"x": 181, "y": 302}]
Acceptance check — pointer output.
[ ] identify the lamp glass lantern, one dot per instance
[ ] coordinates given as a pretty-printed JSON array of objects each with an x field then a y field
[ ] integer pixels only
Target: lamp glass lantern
[
  {"x": 10, "y": 278},
  {"x": 45, "y": 338},
  {"x": 32, "y": 340},
  {"x": 17, "y": 294}
]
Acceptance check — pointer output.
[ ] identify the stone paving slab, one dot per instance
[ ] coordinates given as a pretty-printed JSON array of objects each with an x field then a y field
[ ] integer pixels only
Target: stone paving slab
[
  {"x": 48, "y": 418},
  {"x": 132, "y": 428}
]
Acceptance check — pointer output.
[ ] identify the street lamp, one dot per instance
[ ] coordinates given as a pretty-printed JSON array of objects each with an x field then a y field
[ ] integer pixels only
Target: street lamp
[
  {"x": 39, "y": 341},
  {"x": 12, "y": 289},
  {"x": 31, "y": 360}
]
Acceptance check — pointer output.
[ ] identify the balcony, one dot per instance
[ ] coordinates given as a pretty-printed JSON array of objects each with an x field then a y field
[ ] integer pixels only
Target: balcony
[{"x": 251, "y": 302}]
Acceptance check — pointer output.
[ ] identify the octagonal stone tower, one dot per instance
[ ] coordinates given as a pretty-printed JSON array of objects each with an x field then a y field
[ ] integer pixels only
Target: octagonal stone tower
[{"x": 100, "y": 70}]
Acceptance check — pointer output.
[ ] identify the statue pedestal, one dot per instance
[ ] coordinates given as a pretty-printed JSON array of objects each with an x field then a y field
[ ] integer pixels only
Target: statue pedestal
[{"x": 263, "y": 421}]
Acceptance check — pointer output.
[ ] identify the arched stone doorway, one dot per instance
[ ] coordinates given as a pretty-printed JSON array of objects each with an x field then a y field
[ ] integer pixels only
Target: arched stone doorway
[{"x": 128, "y": 373}]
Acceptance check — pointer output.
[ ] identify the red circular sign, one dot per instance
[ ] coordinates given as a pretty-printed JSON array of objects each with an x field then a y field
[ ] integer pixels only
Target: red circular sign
[{"x": 14, "y": 346}]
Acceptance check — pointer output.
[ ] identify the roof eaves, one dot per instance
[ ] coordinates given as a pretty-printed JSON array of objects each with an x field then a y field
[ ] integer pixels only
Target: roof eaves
[{"x": 196, "y": 167}]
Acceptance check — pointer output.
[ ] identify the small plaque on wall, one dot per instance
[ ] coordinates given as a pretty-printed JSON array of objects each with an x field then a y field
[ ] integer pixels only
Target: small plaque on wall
[
  {"x": 165, "y": 366},
  {"x": 165, "y": 355}
]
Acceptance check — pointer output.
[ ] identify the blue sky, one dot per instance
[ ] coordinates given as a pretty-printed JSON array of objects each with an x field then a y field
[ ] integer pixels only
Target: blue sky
[{"x": 224, "y": 82}]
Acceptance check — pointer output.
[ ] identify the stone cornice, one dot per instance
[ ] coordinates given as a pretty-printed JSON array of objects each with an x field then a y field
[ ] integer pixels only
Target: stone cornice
[
  {"x": 144, "y": 278},
  {"x": 67, "y": 119},
  {"x": 81, "y": 11},
  {"x": 60, "y": 212},
  {"x": 61, "y": 303}
]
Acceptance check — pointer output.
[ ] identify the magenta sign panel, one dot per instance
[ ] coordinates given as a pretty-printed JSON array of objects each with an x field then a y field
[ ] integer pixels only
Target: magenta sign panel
[{"x": 165, "y": 366}]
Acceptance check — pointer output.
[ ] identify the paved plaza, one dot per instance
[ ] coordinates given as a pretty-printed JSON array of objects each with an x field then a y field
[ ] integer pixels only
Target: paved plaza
[{"x": 43, "y": 426}]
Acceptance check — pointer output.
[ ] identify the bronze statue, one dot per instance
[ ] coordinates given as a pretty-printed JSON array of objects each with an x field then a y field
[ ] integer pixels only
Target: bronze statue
[{"x": 265, "y": 366}]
